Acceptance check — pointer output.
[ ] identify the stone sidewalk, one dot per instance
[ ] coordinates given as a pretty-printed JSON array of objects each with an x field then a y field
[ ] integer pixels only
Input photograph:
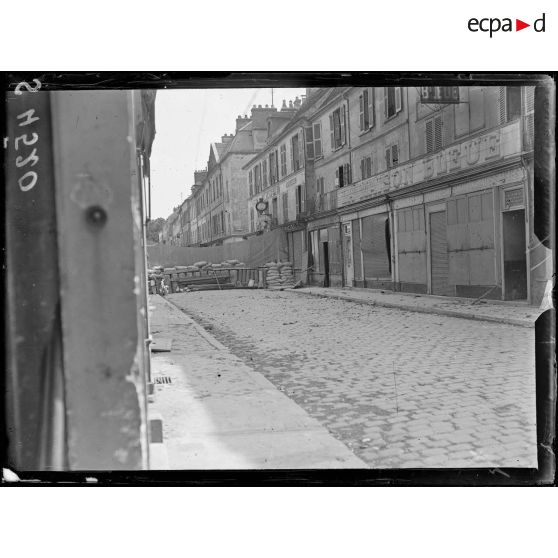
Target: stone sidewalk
[
  {"x": 219, "y": 413},
  {"x": 512, "y": 313}
]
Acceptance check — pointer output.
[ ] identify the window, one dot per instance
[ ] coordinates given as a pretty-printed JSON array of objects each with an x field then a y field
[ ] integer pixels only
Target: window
[
  {"x": 285, "y": 207},
  {"x": 366, "y": 109},
  {"x": 299, "y": 201},
  {"x": 392, "y": 156},
  {"x": 434, "y": 134},
  {"x": 273, "y": 167},
  {"x": 317, "y": 140},
  {"x": 264, "y": 173},
  {"x": 343, "y": 175},
  {"x": 393, "y": 103},
  {"x": 251, "y": 219},
  {"x": 274, "y": 208},
  {"x": 510, "y": 103},
  {"x": 366, "y": 167},
  {"x": 337, "y": 124},
  {"x": 320, "y": 186},
  {"x": 296, "y": 153},
  {"x": 309, "y": 137},
  {"x": 250, "y": 183},
  {"x": 283, "y": 152},
  {"x": 257, "y": 179}
]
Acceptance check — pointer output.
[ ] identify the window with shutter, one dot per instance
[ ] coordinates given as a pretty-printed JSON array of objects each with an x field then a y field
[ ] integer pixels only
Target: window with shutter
[
  {"x": 371, "y": 119},
  {"x": 317, "y": 140},
  {"x": 429, "y": 136},
  {"x": 342, "y": 117},
  {"x": 341, "y": 176},
  {"x": 394, "y": 155},
  {"x": 398, "y": 101},
  {"x": 283, "y": 155},
  {"x": 264, "y": 173},
  {"x": 285, "y": 207},
  {"x": 308, "y": 131},
  {"x": 361, "y": 111},
  {"x": 438, "y": 133}
]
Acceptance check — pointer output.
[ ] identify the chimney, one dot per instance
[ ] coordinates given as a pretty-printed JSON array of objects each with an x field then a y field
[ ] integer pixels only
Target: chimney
[
  {"x": 199, "y": 176},
  {"x": 260, "y": 115},
  {"x": 284, "y": 105},
  {"x": 297, "y": 103},
  {"x": 241, "y": 121},
  {"x": 226, "y": 138}
]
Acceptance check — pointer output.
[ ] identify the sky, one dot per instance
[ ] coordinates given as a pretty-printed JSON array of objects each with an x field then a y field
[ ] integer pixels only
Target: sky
[{"x": 186, "y": 122}]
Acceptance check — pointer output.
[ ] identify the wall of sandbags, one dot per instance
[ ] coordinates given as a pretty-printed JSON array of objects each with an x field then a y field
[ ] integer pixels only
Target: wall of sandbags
[
  {"x": 279, "y": 274},
  {"x": 254, "y": 251}
]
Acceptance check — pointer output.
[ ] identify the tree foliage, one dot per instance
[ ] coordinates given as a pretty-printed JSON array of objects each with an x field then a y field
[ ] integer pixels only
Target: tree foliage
[{"x": 154, "y": 228}]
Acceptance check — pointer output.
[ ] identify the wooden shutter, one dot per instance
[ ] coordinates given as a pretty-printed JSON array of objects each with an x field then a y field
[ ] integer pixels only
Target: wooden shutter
[
  {"x": 388, "y": 158},
  {"x": 429, "y": 136},
  {"x": 337, "y": 178},
  {"x": 342, "y": 117},
  {"x": 386, "y": 102},
  {"x": 276, "y": 166},
  {"x": 285, "y": 207},
  {"x": 362, "y": 169},
  {"x": 309, "y": 142},
  {"x": 502, "y": 105},
  {"x": 394, "y": 154},
  {"x": 438, "y": 133},
  {"x": 301, "y": 149},
  {"x": 332, "y": 131},
  {"x": 347, "y": 173},
  {"x": 398, "y": 101},
  {"x": 361, "y": 111},
  {"x": 317, "y": 140},
  {"x": 250, "y": 183},
  {"x": 368, "y": 166},
  {"x": 371, "y": 119},
  {"x": 264, "y": 173}
]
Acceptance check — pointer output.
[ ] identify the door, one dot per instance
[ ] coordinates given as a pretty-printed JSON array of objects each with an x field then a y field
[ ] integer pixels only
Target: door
[
  {"x": 515, "y": 257},
  {"x": 439, "y": 259},
  {"x": 326, "y": 263}
]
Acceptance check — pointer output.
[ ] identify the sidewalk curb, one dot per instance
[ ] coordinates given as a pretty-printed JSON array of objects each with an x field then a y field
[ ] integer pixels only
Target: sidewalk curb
[{"x": 410, "y": 308}]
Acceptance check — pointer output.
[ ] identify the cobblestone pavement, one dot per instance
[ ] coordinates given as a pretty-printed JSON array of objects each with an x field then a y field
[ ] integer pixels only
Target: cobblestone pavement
[{"x": 401, "y": 389}]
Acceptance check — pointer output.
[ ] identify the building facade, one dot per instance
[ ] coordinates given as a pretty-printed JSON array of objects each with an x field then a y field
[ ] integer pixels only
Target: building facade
[{"x": 384, "y": 187}]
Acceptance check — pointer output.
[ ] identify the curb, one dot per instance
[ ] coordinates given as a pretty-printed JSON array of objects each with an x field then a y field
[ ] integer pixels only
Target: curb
[{"x": 422, "y": 310}]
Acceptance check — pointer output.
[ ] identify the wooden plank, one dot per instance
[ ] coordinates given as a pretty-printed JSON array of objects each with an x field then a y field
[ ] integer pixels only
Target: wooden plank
[
  {"x": 99, "y": 237},
  {"x": 161, "y": 345}
]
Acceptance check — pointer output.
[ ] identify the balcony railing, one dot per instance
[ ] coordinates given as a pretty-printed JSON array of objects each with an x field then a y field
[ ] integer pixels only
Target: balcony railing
[{"x": 322, "y": 203}]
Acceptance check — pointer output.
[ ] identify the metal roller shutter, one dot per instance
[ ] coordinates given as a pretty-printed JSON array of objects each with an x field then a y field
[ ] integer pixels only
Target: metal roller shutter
[
  {"x": 439, "y": 254},
  {"x": 374, "y": 247}
]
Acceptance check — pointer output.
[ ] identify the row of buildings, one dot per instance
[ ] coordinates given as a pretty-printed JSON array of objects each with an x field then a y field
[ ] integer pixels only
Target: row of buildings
[{"x": 417, "y": 189}]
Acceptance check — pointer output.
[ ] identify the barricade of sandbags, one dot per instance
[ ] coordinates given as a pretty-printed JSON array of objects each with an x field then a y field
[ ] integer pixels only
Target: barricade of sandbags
[
  {"x": 273, "y": 276},
  {"x": 287, "y": 274}
]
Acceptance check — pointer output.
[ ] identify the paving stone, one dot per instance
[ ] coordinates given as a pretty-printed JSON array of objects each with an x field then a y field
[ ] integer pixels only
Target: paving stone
[{"x": 460, "y": 383}]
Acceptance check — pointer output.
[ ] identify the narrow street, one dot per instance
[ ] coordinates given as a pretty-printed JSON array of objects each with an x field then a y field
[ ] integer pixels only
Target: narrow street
[{"x": 398, "y": 388}]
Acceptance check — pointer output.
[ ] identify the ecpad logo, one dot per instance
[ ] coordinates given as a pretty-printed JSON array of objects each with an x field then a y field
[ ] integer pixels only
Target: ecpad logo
[{"x": 493, "y": 25}]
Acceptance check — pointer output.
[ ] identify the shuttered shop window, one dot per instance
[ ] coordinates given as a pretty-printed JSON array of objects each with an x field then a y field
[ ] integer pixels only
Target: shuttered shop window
[
  {"x": 374, "y": 247},
  {"x": 356, "y": 250},
  {"x": 334, "y": 248}
]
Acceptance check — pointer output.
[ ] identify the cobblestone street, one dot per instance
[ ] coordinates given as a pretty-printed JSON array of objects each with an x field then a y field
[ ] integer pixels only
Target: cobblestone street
[{"x": 399, "y": 388}]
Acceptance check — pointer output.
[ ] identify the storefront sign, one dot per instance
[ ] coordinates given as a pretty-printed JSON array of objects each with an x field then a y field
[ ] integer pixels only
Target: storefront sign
[
  {"x": 439, "y": 95},
  {"x": 490, "y": 147}
]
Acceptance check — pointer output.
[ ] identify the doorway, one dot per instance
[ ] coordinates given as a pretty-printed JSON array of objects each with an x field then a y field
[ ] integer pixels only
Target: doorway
[
  {"x": 515, "y": 257},
  {"x": 326, "y": 263}
]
